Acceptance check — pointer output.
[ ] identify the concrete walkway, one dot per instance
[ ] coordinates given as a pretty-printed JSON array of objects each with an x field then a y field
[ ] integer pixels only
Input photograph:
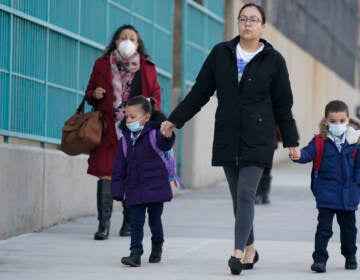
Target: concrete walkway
[{"x": 199, "y": 240}]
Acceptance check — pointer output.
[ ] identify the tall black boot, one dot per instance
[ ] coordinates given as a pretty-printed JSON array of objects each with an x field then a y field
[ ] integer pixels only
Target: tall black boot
[
  {"x": 266, "y": 184},
  {"x": 126, "y": 224},
  {"x": 104, "y": 206}
]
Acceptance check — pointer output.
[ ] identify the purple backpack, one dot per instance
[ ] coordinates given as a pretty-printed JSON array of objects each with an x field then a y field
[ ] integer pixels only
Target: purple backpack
[{"x": 168, "y": 158}]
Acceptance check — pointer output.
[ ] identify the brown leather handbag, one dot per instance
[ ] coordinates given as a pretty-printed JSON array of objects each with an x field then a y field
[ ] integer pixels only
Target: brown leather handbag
[{"x": 82, "y": 132}]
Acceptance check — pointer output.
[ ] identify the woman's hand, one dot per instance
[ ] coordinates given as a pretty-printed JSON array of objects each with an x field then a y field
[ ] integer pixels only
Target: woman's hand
[
  {"x": 99, "y": 93},
  {"x": 294, "y": 153},
  {"x": 167, "y": 128}
]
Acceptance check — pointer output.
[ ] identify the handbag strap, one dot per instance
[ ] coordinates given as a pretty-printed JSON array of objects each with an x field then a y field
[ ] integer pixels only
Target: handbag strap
[{"x": 81, "y": 108}]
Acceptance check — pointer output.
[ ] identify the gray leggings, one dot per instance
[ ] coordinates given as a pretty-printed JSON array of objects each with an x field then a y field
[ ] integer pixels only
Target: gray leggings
[{"x": 243, "y": 182}]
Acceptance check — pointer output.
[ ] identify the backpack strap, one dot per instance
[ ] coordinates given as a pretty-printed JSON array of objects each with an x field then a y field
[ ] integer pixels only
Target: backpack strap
[
  {"x": 124, "y": 145},
  {"x": 152, "y": 136},
  {"x": 319, "y": 151}
]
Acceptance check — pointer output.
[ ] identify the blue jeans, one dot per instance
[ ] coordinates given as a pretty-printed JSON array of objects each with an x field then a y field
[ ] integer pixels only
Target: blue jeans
[
  {"x": 138, "y": 220},
  {"x": 348, "y": 231}
]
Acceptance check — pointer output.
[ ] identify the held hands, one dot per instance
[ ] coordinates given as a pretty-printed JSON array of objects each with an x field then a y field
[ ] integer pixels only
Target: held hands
[
  {"x": 99, "y": 93},
  {"x": 294, "y": 153},
  {"x": 167, "y": 128}
]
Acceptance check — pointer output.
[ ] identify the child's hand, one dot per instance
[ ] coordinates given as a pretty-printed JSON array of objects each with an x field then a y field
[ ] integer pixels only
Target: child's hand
[{"x": 294, "y": 153}]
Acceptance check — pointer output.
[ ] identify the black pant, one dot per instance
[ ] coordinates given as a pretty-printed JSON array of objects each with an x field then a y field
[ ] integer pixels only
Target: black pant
[
  {"x": 138, "y": 220},
  {"x": 348, "y": 231}
]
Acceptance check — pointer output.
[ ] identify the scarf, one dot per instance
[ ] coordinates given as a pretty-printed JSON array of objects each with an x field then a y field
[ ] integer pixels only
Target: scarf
[{"x": 123, "y": 73}]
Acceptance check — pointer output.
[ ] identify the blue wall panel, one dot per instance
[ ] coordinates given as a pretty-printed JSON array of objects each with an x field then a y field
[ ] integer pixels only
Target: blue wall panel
[
  {"x": 62, "y": 66},
  {"x": 29, "y": 49},
  {"x": 88, "y": 55},
  {"x": 36, "y": 8},
  {"x": 163, "y": 9},
  {"x": 144, "y": 8},
  {"x": 117, "y": 17},
  {"x": 65, "y": 13},
  {"x": 6, "y": 2},
  {"x": 5, "y": 40},
  {"x": 93, "y": 20},
  {"x": 4, "y": 100},
  {"x": 56, "y": 115},
  {"x": 27, "y": 107}
]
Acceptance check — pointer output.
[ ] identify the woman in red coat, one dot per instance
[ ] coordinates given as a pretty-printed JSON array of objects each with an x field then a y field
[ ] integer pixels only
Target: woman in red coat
[{"x": 123, "y": 71}]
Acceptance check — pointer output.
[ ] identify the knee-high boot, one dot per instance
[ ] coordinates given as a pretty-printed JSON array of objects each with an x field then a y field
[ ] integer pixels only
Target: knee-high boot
[{"x": 104, "y": 206}]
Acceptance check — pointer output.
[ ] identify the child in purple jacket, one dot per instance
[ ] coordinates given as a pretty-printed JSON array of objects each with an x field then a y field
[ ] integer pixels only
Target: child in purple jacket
[
  {"x": 336, "y": 184},
  {"x": 140, "y": 178}
]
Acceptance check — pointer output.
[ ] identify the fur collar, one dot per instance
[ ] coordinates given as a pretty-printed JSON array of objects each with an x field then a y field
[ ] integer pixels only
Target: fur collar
[{"x": 352, "y": 133}]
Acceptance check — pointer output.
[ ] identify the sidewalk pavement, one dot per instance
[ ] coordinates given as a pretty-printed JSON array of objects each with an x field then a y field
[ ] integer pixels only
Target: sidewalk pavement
[{"x": 198, "y": 227}]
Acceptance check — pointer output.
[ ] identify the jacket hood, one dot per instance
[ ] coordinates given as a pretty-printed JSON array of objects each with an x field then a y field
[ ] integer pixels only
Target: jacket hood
[{"x": 352, "y": 133}]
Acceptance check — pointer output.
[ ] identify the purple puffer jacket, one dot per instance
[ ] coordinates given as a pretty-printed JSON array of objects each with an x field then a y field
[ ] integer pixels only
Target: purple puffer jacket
[{"x": 141, "y": 177}]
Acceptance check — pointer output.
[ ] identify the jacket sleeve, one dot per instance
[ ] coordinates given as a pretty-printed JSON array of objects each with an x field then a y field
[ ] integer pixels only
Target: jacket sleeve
[
  {"x": 118, "y": 174},
  {"x": 164, "y": 143},
  {"x": 199, "y": 95},
  {"x": 282, "y": 100},
  {"x": 357, "y": 165},
  {"x": 156, "y": 90},
  {"x": 307, "y": 153},
  {"x": 92, "y": 86}
]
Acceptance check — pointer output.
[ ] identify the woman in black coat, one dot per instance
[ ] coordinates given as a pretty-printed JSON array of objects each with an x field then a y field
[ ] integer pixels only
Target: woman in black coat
[{"x": 252, "y": 86}]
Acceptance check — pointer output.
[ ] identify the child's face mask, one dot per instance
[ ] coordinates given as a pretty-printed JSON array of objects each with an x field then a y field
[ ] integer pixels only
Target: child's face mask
[
  {"x": 337, "y": 129},
  {"x": 134, "y": 126},
  {"x": 337, "y": 122}
]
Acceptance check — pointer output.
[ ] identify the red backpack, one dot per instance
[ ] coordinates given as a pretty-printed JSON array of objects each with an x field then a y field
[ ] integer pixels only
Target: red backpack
[{"x": 319, "y": 151}]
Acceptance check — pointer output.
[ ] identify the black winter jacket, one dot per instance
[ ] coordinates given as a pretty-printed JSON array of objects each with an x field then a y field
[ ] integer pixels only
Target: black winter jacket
[{"x": 247, "y": 111}]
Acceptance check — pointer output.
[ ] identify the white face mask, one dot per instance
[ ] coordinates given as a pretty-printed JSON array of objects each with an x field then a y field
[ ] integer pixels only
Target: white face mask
[
  {"x": 127, "y": 48},
  {"x": 337, "y": 129}
]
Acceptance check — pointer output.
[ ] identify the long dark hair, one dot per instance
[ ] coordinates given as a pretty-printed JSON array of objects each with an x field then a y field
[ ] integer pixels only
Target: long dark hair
[
  {"x": 112, "y": 45},
  {"x": 258, "y": 7}
]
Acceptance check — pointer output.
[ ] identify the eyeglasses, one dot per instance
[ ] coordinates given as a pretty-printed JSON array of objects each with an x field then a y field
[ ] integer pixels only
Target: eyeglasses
[{"x": 252, "y": 20}]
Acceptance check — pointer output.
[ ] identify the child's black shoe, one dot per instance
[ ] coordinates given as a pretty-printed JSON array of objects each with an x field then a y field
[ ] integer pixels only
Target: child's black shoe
[
  {"x": 134, "y": 259},
  {"x": 235, "y": 265},
  {"x": 351, "y": 263},
  {"x": 318, "y": 267},
  {"x": 156, "y": 251}
]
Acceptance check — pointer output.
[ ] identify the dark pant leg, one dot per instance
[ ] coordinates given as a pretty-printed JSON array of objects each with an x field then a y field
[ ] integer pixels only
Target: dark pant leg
[
  {"x": 243, "y": 183},
  {"x": 137, "y": 226},
  {"x": 323, "y": 234},
  {"x": 155, "y": 211},
  {"x": 348, "y": 232}
]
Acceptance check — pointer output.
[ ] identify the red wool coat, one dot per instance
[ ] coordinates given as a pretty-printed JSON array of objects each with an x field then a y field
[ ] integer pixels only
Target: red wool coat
[{"x": 101, "y": 159}]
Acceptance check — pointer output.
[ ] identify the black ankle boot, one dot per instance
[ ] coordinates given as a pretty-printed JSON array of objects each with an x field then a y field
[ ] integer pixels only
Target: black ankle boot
[
  {"x": 134, "y": 259},
  {"x": 126, "y": 224},
  {"x": 156, "y": 252},
  {"x": 351, "y": 263},
  {"x": 104, "y": 206}
]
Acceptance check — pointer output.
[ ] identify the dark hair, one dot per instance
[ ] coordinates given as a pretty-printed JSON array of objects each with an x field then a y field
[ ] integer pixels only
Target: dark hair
[
  {"x": 258, "y": 7},
  {"x": 336, "y": 106},
  {"x": 147, "y": 104},
  {"x": 112, "y": 45}
]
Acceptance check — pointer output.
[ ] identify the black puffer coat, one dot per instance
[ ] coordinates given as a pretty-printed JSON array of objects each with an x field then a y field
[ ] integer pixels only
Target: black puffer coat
[{"x": 247, "y": 111}]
